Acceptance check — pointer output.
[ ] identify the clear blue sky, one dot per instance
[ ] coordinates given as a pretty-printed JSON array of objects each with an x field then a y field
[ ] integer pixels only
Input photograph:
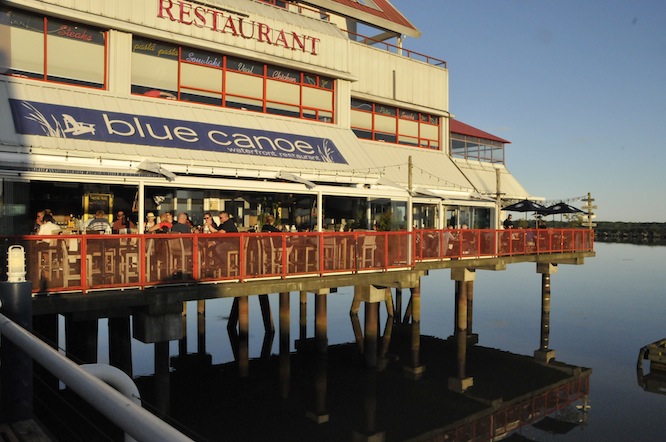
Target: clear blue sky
[{"x": 577, "y": 86}]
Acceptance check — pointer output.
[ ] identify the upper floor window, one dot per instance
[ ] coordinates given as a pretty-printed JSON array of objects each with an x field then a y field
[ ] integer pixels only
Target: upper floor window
[
  {"x": 374, "y": 121},
  {"x": 52, "y": 49},
  {"x": 186, "y": 74},
  {"x": 473, "y": 148}
]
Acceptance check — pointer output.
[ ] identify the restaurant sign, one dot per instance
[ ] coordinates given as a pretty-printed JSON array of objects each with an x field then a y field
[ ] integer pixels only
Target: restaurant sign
[
  {"x": 34, "y": 118},
  {"x": 236, "y": 24}
]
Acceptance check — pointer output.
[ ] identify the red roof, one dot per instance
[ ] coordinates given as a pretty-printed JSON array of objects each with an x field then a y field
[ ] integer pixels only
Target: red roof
[
  {"x": 386, "y": 11},
  {"x": 458, "y": 127}
]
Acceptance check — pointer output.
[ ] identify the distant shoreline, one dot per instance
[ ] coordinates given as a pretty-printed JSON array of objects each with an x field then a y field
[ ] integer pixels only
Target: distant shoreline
[{"x": 635, "y": 233}]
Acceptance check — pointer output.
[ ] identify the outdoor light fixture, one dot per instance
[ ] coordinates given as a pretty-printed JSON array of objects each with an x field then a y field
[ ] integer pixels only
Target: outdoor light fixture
[{"x": 15, "y": 264}]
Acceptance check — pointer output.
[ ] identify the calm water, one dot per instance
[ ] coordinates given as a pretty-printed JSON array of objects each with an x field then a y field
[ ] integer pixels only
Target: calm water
[{"x": 602, "y": 313}]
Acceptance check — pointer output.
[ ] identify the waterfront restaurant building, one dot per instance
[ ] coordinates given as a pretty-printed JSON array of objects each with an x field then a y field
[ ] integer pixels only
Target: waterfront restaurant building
[{"x": 310, "y": 110}]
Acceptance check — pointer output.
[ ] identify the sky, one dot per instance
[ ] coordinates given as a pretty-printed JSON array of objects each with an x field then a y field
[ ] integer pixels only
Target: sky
[{"x": 577, "y": 86}]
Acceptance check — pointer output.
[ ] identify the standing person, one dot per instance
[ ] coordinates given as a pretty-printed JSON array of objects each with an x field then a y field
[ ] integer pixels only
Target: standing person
[
  {"x": 508, "y": 222},
  {"x": 182, "y": 224},
  {"x": 269, "y": 225},
  {"x": 165, "y": 225},
  {"x": 100, "y": 223},
  {"x": 122, "y": 222}
]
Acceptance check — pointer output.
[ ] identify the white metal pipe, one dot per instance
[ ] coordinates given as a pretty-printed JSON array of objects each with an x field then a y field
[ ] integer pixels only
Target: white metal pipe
[
  {"x": 119, "y": 380},
  {"x": 134, "y": 420}
]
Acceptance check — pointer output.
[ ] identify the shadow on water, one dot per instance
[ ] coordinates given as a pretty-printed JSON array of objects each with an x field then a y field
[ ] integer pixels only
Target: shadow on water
[{"x": 334, "y": 397}]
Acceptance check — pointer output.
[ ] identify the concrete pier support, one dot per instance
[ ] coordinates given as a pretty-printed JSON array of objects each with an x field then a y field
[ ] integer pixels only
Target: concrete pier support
[
  {"x": 544, "y": 354},
  {"x": 370, "y": 341},
  {"x": 243, "y": 337},
  {"x": 302, "y": 320},
  {"x": 285, "y": 366},
  {"x": 120, "y": 344},
  {"x": 398, "y": 304},
  {"x": 461, "y": 276},
  {"x": 321, "y": 321},
  {"x": 415, "y": 369},
  {"x": 201, "y": 327},
  {"x": 319, "y": 411},
  {"x": 162, "y": 379},
  {"x": 369, "y": 426},
  {"x": 81, "y": 339},
  {"x": 46, "y": 327}
]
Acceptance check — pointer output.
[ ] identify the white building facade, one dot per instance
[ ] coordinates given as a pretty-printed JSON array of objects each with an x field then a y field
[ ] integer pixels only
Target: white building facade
[{"x": 246, "y": 106}]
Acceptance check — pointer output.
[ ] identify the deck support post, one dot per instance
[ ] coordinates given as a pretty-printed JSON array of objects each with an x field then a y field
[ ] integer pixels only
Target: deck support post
[
  {"x": 415, "y": 370},
  {"x": 461, "y": 276},
  {"x": 120, "y": 344},
  {"x": 321, "y": 321},
  {"x": 162, "y": 379},
  {"x": 302, "y": 320},
  {"x": 81, "y": 339},
  {"x": 243, "y": 336},
  {"x": 285, "y": 368},
  {"x": 543, "y": 354}
]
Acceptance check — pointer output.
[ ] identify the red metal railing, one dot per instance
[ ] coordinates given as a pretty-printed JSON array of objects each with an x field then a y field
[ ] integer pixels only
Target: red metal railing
[
  {"x": 61, "y": 263},
  {"x": 515, "y": 414}
]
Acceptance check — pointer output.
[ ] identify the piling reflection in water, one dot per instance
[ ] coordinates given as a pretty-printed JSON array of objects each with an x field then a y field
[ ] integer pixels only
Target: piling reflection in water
[{"x": 334, "y": 396}]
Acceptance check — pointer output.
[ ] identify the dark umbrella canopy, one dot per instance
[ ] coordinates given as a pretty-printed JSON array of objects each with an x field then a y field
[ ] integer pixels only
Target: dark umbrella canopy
[
  {"x": 524, "y": 206},
  {"x": 560, "y": 208}
]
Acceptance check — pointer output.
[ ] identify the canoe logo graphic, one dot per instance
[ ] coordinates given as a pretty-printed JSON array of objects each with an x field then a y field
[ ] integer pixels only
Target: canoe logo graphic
[{"x": 54, "y": 128}]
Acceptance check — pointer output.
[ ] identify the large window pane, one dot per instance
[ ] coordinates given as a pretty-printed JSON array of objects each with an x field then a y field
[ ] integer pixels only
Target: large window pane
[
  {"x": 244, "y": 85},
  {"x": 410, "y": 128},
  {"x": 25, "y": 51},
  {"x": 282, "y": 92},
  {"x": 361, "y": 120},
  {"x": 153, "y": 72},
  {"x": 200, "y": 77},
  {"x": 75, "y": 52},
  {"x": 385, "y": 124},
  {"x": 318, "y": 98}
]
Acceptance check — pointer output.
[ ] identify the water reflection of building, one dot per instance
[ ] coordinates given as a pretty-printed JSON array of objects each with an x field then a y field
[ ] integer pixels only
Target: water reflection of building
[
  {"x": 509, "y": 391},
  {"x": 246, "y": 106},
  {"x": 653, "y": 380}
]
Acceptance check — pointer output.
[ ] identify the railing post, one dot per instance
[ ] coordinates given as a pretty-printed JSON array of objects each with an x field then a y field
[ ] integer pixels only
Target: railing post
[{"x": 16, "y": 366}]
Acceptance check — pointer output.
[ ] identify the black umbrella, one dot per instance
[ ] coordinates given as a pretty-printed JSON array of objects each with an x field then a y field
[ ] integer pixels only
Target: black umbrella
[
  {"x": 561, "y": 208},
  {"x": 525, "y": 206}
]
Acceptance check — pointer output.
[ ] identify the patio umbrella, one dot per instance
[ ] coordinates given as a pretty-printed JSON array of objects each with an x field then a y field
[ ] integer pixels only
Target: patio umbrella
[
  {"x": 524, "y": 206},
  {"x": 561, "y": 208}
]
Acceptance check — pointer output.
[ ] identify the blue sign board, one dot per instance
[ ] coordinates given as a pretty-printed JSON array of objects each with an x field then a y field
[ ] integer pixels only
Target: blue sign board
[{"x": 51, "y": 120}]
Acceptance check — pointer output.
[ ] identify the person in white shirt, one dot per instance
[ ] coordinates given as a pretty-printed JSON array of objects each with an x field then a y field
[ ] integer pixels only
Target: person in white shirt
[{"x": 48, "y": 226}]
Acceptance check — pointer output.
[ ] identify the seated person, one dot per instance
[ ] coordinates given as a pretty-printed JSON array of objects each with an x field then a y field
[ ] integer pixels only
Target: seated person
[
  {"x": 224, "y": 247},
  {"x": 122, "y": 222},
  {"x": 182, "y": 225},
  {"x": 269, "y": 226},
  {"x": 163, "y": 226},
  {"x": 48, "y": 226},
  {"x": 100, "y": 223},
  {"x": 226, "y": 225},
  {"x": 209, "y": 223}
]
